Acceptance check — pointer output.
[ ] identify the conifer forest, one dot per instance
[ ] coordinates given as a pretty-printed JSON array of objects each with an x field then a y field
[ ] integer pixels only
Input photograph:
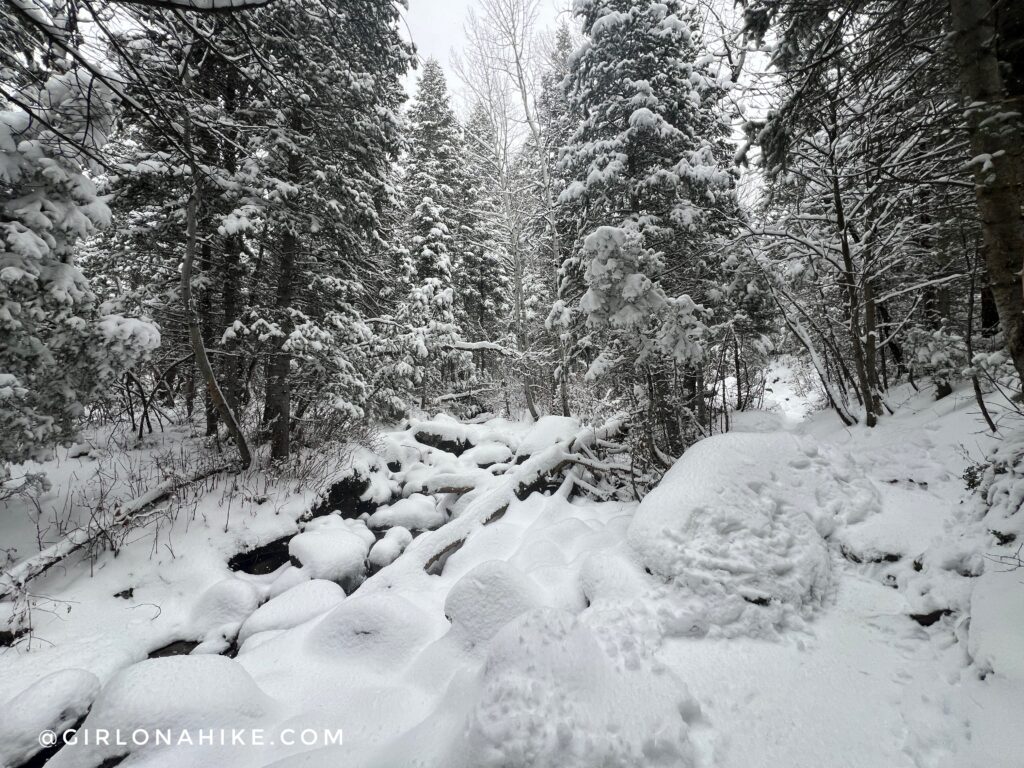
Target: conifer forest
[{"x": 511, "y": 383}]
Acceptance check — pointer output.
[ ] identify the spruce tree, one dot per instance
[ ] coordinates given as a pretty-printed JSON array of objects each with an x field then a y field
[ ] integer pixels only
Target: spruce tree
[
  {"x": 647, "y": 176},
  {"x": 437, "y": 239}
]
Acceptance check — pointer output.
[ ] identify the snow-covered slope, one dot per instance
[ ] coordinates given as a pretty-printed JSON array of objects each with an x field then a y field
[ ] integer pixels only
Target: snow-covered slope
[{"x": 793, "y": 594}]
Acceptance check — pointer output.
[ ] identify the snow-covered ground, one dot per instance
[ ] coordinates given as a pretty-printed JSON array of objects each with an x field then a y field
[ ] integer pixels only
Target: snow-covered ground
[{"x": 794, "y": 593}]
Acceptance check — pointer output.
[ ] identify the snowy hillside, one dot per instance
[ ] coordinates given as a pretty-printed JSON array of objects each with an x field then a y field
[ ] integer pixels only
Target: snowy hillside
[{"x": 792, "y": 593}]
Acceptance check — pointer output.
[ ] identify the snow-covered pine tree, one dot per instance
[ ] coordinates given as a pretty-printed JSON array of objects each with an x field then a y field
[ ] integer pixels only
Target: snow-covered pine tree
[
  {"x": 481, "y": 282},
  {"x": 648, "y": 160},
  {"x": 61, "y": 348},
  {"x": 153, "y": 180},
  {"x": 437, "y": 241},
  {"x": 331, "y": 136}
]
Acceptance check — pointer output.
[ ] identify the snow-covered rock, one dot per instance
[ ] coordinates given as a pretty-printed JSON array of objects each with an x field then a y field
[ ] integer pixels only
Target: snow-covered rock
[
  {"x": 223, "y": 607},
  {"x": 54, "y": 703},
  {"x": 387, "y": 550},
  {"x": 487, "y": 598},
  {"x": 334, "y": 549},
  {"x": 554, "y": 694},
  {"x": 487, "y": 454},
  {"x": 417, "y": 512},
  {"x": 546, "y": 432},
  {"x": 289, "y": 577},
  {"x": 379, "y": 631},
  {"x": 295, "y": 606},
  {"x": 173, "y": 694}
]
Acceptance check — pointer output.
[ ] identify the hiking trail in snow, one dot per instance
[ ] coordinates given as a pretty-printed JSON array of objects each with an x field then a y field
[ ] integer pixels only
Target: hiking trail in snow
[{"x": 793, "y": 593}]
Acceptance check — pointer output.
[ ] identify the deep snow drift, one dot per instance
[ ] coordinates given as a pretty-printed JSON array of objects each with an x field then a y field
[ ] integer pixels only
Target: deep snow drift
[{"x": 792, "y": 594}]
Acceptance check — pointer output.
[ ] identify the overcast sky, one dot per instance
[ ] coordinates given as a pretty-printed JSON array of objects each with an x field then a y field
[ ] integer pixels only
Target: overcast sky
[{"x": 436, "y": 26}]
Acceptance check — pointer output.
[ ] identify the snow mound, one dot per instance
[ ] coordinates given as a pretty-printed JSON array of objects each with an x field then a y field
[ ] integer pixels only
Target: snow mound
[
  {"x": 223, "y": 607},
  {"x": 55, "y": 703},
  {"x": 387, "y": 550},
  {"x": 334, "y": 549},
  {"x": 552, "y": 695},
  {"x": 376, "y": 632},
  {"x": 295, "y": 606},
  {"x": 417, "y": 512},
  {"x": 732, "y": 534},
  {"x": 546, "y": 432},
  {"x": 486, "y": 599},
  {"x": 607, "y": 577},
  {"x": 176, "y": 693},
  {"x": 488, "y": 453}
]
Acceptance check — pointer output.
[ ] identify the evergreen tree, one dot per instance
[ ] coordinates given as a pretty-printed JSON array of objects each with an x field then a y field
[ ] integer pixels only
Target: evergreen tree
[
  {"x": 482, "y": 280},
  {"x": 439, "y": 236},
  {"x": 647, "y": 169},
  {"x": 61, "y": 347}
]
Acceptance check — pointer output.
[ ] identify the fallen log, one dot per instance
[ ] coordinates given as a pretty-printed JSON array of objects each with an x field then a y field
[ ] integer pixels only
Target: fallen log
[
  {"x": 14, "y": 580},
  {"x": 429, "y": 552}
]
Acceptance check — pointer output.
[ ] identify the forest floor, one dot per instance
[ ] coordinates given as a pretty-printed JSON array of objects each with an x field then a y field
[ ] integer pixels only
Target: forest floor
[{"x": 794, "y": 593}]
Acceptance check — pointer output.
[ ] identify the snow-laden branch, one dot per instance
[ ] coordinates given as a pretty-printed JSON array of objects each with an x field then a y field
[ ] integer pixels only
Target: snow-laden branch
[
  {"x": 201, "y": 6},
  {"x": 489, "y": 346}
]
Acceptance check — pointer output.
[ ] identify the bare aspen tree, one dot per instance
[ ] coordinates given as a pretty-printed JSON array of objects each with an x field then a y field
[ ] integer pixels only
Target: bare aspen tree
[{"x": 506, "y": 32}]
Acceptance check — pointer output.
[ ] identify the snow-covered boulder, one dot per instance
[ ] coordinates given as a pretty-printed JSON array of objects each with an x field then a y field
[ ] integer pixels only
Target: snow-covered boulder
[
  {"x": 387, "y": 550},
  {"x": 610, "y": 577},
  {"x": 442, "y": 433},
  {"x": 223, "y": 607},
  {"x": 334, "y": 549},
  {"x": 295, "y": 606},
  {"x": 376, "y": 632},
  {"x": 54, "y": 703},
  {"x": 487, "y": 454},
  {"x": 729, "y": 528},
  {"x": 289, "y": 577},
  {"x": 487, "y": 598},
  {"x": 172, "y": 694},
  {"x": 546, "y": 432},
  {"x": 417, "y": 512}
]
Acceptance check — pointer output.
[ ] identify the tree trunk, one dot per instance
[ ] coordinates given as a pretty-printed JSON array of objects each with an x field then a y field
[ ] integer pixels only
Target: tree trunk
[
  {"x": 995, "y": 139},
  {"x": 195, "y": 334},
  {"x": 279, "y": 393},
  {"x": 206, "y": 325},
  {"x": 231, "y": 278}
]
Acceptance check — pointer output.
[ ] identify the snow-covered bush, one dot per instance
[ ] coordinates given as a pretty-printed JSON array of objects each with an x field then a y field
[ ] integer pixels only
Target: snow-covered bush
[{"x": 938, "y": 354}]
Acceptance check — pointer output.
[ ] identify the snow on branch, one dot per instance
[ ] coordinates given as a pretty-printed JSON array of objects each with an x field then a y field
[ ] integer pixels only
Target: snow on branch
[
  {"x": 428, "y": 553},
  {"x": 476, "y": 346},
  {"x": 201, "y": 6}
]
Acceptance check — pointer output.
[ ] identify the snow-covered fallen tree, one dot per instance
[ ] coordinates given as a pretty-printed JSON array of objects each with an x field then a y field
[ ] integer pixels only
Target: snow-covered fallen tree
[
  {"x": 489, "y": 500},
  {"x": 125, "y": 515}
]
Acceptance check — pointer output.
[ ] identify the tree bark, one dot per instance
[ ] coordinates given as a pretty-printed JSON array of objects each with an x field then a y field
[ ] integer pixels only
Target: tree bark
[
  {"x": 279, "y": 393},
  {"x": 995, "y": 140}
]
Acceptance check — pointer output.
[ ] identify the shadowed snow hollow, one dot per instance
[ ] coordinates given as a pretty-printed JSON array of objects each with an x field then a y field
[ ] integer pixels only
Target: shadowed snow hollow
[{"x": 731, "y": 529}]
